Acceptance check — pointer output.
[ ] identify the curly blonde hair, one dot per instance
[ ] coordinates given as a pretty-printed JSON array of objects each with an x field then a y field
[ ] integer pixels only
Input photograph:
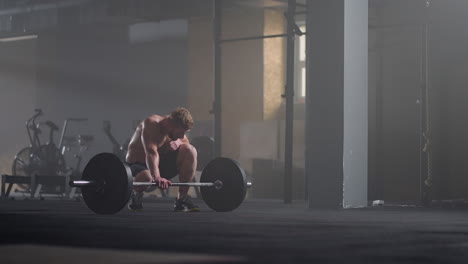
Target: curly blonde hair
[{"x": 182, "y": 117}]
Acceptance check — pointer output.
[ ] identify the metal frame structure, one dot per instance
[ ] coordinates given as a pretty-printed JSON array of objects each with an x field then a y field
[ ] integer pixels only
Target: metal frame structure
[{"x": 292, "y": 31}]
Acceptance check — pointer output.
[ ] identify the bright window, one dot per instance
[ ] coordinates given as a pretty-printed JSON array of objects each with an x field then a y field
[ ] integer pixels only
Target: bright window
[{"x": 300, "y": 67}]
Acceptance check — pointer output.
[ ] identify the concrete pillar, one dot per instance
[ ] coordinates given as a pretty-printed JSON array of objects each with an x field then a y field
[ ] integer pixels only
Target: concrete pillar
[{"x": 336, "y": 114}]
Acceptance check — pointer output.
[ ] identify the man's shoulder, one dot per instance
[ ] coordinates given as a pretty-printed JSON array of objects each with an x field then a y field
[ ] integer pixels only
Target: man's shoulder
[
  {"x": 154, "y": 119},
  {"x": 153, "y": 123}
]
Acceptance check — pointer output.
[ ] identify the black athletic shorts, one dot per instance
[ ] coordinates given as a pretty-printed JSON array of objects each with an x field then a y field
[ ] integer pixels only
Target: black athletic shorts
[{"x": 167, "y": 165}]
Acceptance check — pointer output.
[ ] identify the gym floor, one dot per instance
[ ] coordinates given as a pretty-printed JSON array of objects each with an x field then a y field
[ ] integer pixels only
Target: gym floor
[{"x": 260, "y": 231}]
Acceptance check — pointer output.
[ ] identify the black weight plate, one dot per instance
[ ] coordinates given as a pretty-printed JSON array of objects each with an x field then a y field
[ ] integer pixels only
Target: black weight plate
[
  {"x": 204, "y": 146},
  {"x": 232, "y": 194},
  {"x": 117, "y": 183}
]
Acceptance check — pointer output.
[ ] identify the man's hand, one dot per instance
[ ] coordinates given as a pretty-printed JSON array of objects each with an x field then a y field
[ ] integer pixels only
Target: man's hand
[
  {"x": 162, "y": 182},
  {"x": 173, "y": 145},
  {"x": 170, "y": 146}
]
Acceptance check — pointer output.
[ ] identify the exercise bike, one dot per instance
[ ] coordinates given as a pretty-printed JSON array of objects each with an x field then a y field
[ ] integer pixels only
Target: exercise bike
[{"x": 38, "y": 158}]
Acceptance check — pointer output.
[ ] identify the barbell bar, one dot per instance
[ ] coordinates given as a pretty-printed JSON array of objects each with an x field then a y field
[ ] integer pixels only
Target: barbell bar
[
  {"x": 190, "y": 184},
  {"x": 107, "y": 184}
]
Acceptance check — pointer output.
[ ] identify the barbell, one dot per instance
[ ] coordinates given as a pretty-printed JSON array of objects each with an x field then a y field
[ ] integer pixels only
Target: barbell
[{"x": 107, "y": 184}]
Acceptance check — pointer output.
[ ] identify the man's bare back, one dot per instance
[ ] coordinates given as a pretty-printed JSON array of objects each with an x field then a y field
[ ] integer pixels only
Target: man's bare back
[{"x": 136, "y": 151}]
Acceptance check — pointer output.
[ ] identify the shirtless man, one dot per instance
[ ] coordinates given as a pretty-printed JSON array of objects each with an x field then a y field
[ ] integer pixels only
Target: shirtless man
[{"x": 158, "y": 151}]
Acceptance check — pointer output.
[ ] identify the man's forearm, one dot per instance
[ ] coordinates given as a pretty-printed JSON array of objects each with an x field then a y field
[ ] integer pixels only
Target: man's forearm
[{"x": 152, "y": 161}]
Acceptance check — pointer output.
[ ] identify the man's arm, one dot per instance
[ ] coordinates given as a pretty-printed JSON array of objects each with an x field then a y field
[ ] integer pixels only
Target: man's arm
[
  {"x": 150, "y": 145},
  {"x": 149, "y": 136}
]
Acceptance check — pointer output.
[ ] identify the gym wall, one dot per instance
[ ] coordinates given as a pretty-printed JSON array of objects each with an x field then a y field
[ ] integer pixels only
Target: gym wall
[
  {"x": 18, "y": 95},
  {"x": 92, "y": 72},
  {"x": 397, "y": 163},
  {"x": 394, "y": 114},
  {"x": 242, "y": 71}
]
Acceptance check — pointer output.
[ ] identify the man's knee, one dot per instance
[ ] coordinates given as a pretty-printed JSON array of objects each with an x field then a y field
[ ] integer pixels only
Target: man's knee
[
  {"x": 188, "y": 151},
  {"x": 143, "y": 176}
]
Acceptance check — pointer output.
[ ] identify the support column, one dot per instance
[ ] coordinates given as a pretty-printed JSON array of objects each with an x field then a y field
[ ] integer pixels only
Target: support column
[
  {"x": 217, "y": 110},
  {"x": 336, "y": 113},
  {"x": 289, "y": 95}
]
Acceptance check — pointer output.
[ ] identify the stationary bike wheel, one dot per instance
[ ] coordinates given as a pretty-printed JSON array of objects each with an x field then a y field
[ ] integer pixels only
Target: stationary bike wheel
[
  {"x": 46, "y": 160},
  {"x": 23, "y": 165}
]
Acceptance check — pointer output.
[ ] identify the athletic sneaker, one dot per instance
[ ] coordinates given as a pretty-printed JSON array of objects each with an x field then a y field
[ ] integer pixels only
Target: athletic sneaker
[
  {"x": 185, "y": 205},
  {"x": 136, "y": 202}
]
